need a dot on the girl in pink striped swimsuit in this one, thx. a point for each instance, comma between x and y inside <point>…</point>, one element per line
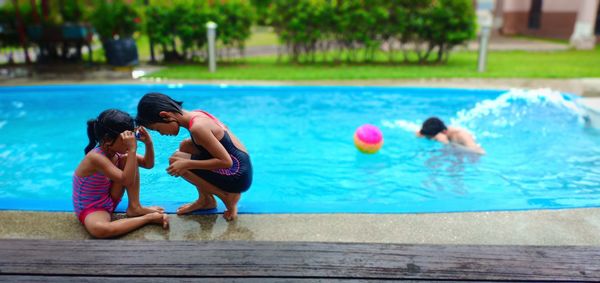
<point>107,171</point>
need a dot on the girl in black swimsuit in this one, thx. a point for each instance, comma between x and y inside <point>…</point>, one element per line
<point>213,160</point>
<point>235,179</point>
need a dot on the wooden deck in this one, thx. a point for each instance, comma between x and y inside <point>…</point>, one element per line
<point>158,261</point>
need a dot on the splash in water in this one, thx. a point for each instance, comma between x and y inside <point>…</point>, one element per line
<point>513,107</point>
<point>402,124</point>
<point>491,117</point>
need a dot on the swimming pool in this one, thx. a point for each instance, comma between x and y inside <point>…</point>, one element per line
<point>539,153</point>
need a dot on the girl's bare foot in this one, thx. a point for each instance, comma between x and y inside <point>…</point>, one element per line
<point>231,200</point>
<point>133,211</point>
<point>158,218</point>
<point>203,203</point>
<point>157,208</point>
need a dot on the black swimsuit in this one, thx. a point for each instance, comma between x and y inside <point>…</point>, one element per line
<point>235,179</point>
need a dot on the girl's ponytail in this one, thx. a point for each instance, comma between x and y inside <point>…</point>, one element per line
<point>107,127</point>
<point>91,125</point>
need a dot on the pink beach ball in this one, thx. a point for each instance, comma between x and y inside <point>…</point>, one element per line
<point>368,139</point>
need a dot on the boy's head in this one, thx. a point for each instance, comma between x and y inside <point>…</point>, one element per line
<point>432,126</point>
<point>107,128</point>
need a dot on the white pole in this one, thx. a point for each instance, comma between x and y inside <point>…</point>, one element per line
<point>583,34</point>
<point>211,34</point>
<point>484,19</point>
<point>483,46</point>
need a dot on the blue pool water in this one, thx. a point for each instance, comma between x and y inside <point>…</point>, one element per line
<point>539,152</point>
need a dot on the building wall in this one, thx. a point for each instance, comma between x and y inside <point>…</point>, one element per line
<point>547,6</point>
<point>516,5</point>
<point>561,5</point>
<point>557,20</point>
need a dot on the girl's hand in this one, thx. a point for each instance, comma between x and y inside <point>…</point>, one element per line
<point>143,135</point>
<point>129,140</point>
<point>177,168</point>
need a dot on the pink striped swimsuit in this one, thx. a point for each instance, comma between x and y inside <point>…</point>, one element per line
<point>92,193</point>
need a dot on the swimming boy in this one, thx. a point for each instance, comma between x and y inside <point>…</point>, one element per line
<point>434,128</point>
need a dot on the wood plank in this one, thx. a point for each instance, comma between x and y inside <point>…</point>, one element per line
<point>220,259</point>
<point>83,279</point>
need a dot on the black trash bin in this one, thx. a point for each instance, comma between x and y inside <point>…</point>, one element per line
<point>121,52</point>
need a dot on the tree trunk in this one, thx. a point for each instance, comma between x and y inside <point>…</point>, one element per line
<point>21,29</point>
<point>45,9</point>
<point>440,53</point>
<point>34,12</point>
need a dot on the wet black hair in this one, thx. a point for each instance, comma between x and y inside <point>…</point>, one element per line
<point>150,106</point>
<point>107,127</point>
<point>432,126</point>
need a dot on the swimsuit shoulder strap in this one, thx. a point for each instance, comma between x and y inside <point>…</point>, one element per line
<point>209,116</point>
<point>99,150</point>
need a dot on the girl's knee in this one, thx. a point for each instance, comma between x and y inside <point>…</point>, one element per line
<point>117,190</point>
<point>187,146</point>
<point>101,231</point>
<point>178,155</point>
<point>172,158</point>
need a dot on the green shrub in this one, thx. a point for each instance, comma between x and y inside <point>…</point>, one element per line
<point>114,18</point>
<point>179,27</point>
<point>261,8</point>
<point>71,11</point>
<point>299,25</point>
<point>360,25</point>
<point>450,23</point>
<point>234,19</point>
<point>420,27</point>
<point>8,25</point>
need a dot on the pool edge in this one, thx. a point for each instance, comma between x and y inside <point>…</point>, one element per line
<point>537,227</point>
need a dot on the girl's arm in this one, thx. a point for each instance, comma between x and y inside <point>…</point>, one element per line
<point>105,165</point>
<point>204,136</point>
<point>146,161</point>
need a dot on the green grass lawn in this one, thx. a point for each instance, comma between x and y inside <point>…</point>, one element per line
<point>143,46</point>
<point>463,64</point>
<point>259,37</point>
<point>262,36</point>
<point>542,39</point>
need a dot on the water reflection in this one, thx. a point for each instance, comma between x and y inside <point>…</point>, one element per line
<point>446,168</point>
<point>207,227</point>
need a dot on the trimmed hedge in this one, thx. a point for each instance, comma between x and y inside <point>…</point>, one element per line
<point>345,27</point>
<point>114,18</point>
<point>179,27</point>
